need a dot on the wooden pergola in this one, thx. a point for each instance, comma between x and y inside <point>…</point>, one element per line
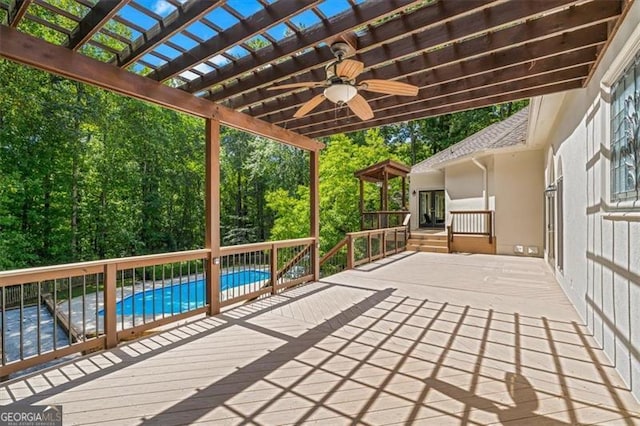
<point>380,174</point>
<point>218,57</point>
<point>462,54</point>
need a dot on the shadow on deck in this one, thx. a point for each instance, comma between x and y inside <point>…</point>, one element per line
<point>434,339</point>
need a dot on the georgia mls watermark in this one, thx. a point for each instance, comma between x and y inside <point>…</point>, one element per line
<point>31,415</point>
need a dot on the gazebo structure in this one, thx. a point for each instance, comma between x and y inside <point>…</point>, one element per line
<point>380,174</point>
<point>356,349</point>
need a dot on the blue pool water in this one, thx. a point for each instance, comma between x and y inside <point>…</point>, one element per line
<point>182,297</point>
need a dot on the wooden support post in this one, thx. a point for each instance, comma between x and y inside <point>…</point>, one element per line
<point>350,252</point>
<point>361,205</point>
<point>369,246</point>
<point>385,191</point>
<point>490,218</point>
<point>314,183</point>
<point>404,193</point>
<point>274,269</point>
<point>109,307</point>
<point>212,213</point>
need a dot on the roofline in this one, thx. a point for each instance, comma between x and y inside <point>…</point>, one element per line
<point>490,150</point>
<point>403,169</point>
<point>486,152</point>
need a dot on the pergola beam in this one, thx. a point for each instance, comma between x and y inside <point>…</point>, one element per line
<point>310,62</point>
<point>25,49</point>
<point>16,12</point>
<point>177,21</point>
<point>361,15</point>
<point>567,20</point>
<point>498,97</point>
<point>99,15</point>
<point>271,15</point>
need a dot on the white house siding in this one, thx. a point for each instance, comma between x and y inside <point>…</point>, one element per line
<point>601,271</point>
<point>464,186</point>
<point>422,182</point>
<point>518,189</point>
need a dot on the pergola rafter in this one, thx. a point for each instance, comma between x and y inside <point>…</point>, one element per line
<point>103,11</point>
<point>240,32</point>
<point>361,15</point>
<point>16,12</point>
<point>165,29</point>
<point>589,14</point>
<point>308,66</point>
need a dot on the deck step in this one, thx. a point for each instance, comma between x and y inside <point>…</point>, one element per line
<point>427,248</point>
<point>428,242</point>
<point>418,236</point>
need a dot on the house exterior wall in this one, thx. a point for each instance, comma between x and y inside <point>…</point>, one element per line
<point>422,182</point>
<point>518,190</point>
<point>464,187</point>
<point>600,272</point>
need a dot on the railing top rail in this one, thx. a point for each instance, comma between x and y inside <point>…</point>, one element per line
<point>43,273</point>
<point>387,212</point>
<point>375,231</point>
<point>242,248</point>
<point>471,212</point>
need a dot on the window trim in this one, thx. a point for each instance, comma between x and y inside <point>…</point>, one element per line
<point>631,197</point>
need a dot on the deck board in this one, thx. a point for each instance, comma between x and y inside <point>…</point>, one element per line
<point>424,339</point>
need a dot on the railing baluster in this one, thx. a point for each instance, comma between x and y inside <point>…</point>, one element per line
<point>273,270</point>
<point>144,299</point>
<point>38,327</point>
<point>21,321</point>
<point>69,323</point>
<point>84,308</point>
<point>55,316</point>
<point>122,299</point>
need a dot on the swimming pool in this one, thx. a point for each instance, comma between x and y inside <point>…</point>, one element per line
<point>182,297</point>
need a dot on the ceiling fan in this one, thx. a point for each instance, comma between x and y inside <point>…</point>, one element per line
<point>340,86</point>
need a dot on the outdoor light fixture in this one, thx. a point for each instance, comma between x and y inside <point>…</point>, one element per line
<point>414,193</point>
<point>340,93</point>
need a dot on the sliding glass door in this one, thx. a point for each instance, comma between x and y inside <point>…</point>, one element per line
<point>431,209</point>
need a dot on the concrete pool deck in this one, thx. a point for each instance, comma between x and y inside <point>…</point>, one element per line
<point>419,338</point>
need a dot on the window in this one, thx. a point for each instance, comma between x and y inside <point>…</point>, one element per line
<point>625,138</point>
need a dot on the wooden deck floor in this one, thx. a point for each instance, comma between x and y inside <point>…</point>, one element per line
<point>420,339</point>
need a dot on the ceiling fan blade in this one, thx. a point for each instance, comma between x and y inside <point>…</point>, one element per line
<point>389,87</point>
<point>310,105</point>
<point>349,69</point>
<point>297,85</point>
<point>360,107</point>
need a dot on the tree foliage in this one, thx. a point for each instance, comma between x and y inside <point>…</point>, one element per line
<point>86,174</point>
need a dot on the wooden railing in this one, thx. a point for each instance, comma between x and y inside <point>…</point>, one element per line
<point>382,219</point>
<point>472,222</point>
<point>51,312</point>
<point>358,248</point>
<point>274,266</point>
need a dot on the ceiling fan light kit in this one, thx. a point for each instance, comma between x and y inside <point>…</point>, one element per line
<point>340,93</point>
